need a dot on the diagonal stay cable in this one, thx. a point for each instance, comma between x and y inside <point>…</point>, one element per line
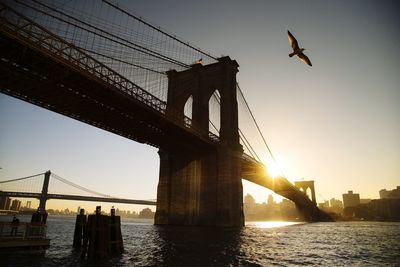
<point>258,128</point>
<point>245,142</point>
<point>241,135</point>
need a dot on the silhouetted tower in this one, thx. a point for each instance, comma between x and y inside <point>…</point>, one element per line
<point>45,188</point>
<point>202,187</point>
<point>304,185</point>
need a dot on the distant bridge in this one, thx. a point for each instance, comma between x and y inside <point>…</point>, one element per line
<point>44,194</point>
<point>79,198</point>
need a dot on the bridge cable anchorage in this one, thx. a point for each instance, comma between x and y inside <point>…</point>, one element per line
<point>79,187</point>
<point>159,30</point>
<point>22,178</point>
<point>258,128</point>
<point>139,49</point>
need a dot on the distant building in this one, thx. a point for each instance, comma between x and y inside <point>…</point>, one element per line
<point>324,205</point>
<point>387,209</point>
<point>336,203</point>
<point>16,205</point>
<point>350,199</point>
<point>28,204</point>
<point>269,210</point>
<point>249,204</point>
<point>270,200</point>
<point>288,210</point>
<point>8,204</point>
<point>384,194</point>
<point>336,206</point>
<point>365,200</point>
<point>146,213</point>
<point>5,203</point>
<point>249,199</point>
<point>394,194</point>
<point>287,205</point>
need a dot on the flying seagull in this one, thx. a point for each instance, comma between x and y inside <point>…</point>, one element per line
<point>200,61</point>
<point>297,50</point>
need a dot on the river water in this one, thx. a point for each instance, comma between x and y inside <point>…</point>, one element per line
<point>257,244</point>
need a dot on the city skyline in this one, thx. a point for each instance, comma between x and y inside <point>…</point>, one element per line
<point>91,206</point>
<point>29,204</point>
<point>351,207</point>
<point>336,123</point>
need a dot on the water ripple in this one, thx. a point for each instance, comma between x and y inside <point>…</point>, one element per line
<point>257,244</point>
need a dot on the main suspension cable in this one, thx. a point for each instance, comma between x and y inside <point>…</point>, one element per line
<point>22,178</point>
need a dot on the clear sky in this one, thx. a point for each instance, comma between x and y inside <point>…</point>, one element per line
<point>337,122</point>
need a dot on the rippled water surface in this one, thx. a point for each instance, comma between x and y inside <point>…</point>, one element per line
<point>257,244</point>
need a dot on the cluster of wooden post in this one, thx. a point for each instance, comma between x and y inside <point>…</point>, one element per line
<point>39,217</point>
<point>99,236</point>
<point>37,227</point>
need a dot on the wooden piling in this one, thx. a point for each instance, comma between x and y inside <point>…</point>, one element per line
<point>80,228</point>
<point>103,236</point>
<point>116,245</point>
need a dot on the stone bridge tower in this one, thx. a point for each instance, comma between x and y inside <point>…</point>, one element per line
<point>202,187</point>
<point>304,185</point>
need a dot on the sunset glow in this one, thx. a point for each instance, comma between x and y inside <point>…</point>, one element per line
<point>272,169</point>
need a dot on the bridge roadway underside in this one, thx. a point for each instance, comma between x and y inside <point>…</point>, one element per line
<point>38,78</point>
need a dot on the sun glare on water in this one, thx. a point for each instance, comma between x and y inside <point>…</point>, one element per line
<point>270,224</point>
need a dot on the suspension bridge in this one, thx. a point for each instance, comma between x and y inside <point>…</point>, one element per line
<point>97,62</point>
<point>48,185</point>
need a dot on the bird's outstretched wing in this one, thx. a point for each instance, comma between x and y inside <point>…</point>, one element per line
<point>292,41</point>
<point>304,58</point>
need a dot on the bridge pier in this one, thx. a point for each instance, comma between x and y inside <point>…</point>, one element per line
<point>201,189</point>
<point>202,186</point>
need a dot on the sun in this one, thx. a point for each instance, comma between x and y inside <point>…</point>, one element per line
<point>272,169</point>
